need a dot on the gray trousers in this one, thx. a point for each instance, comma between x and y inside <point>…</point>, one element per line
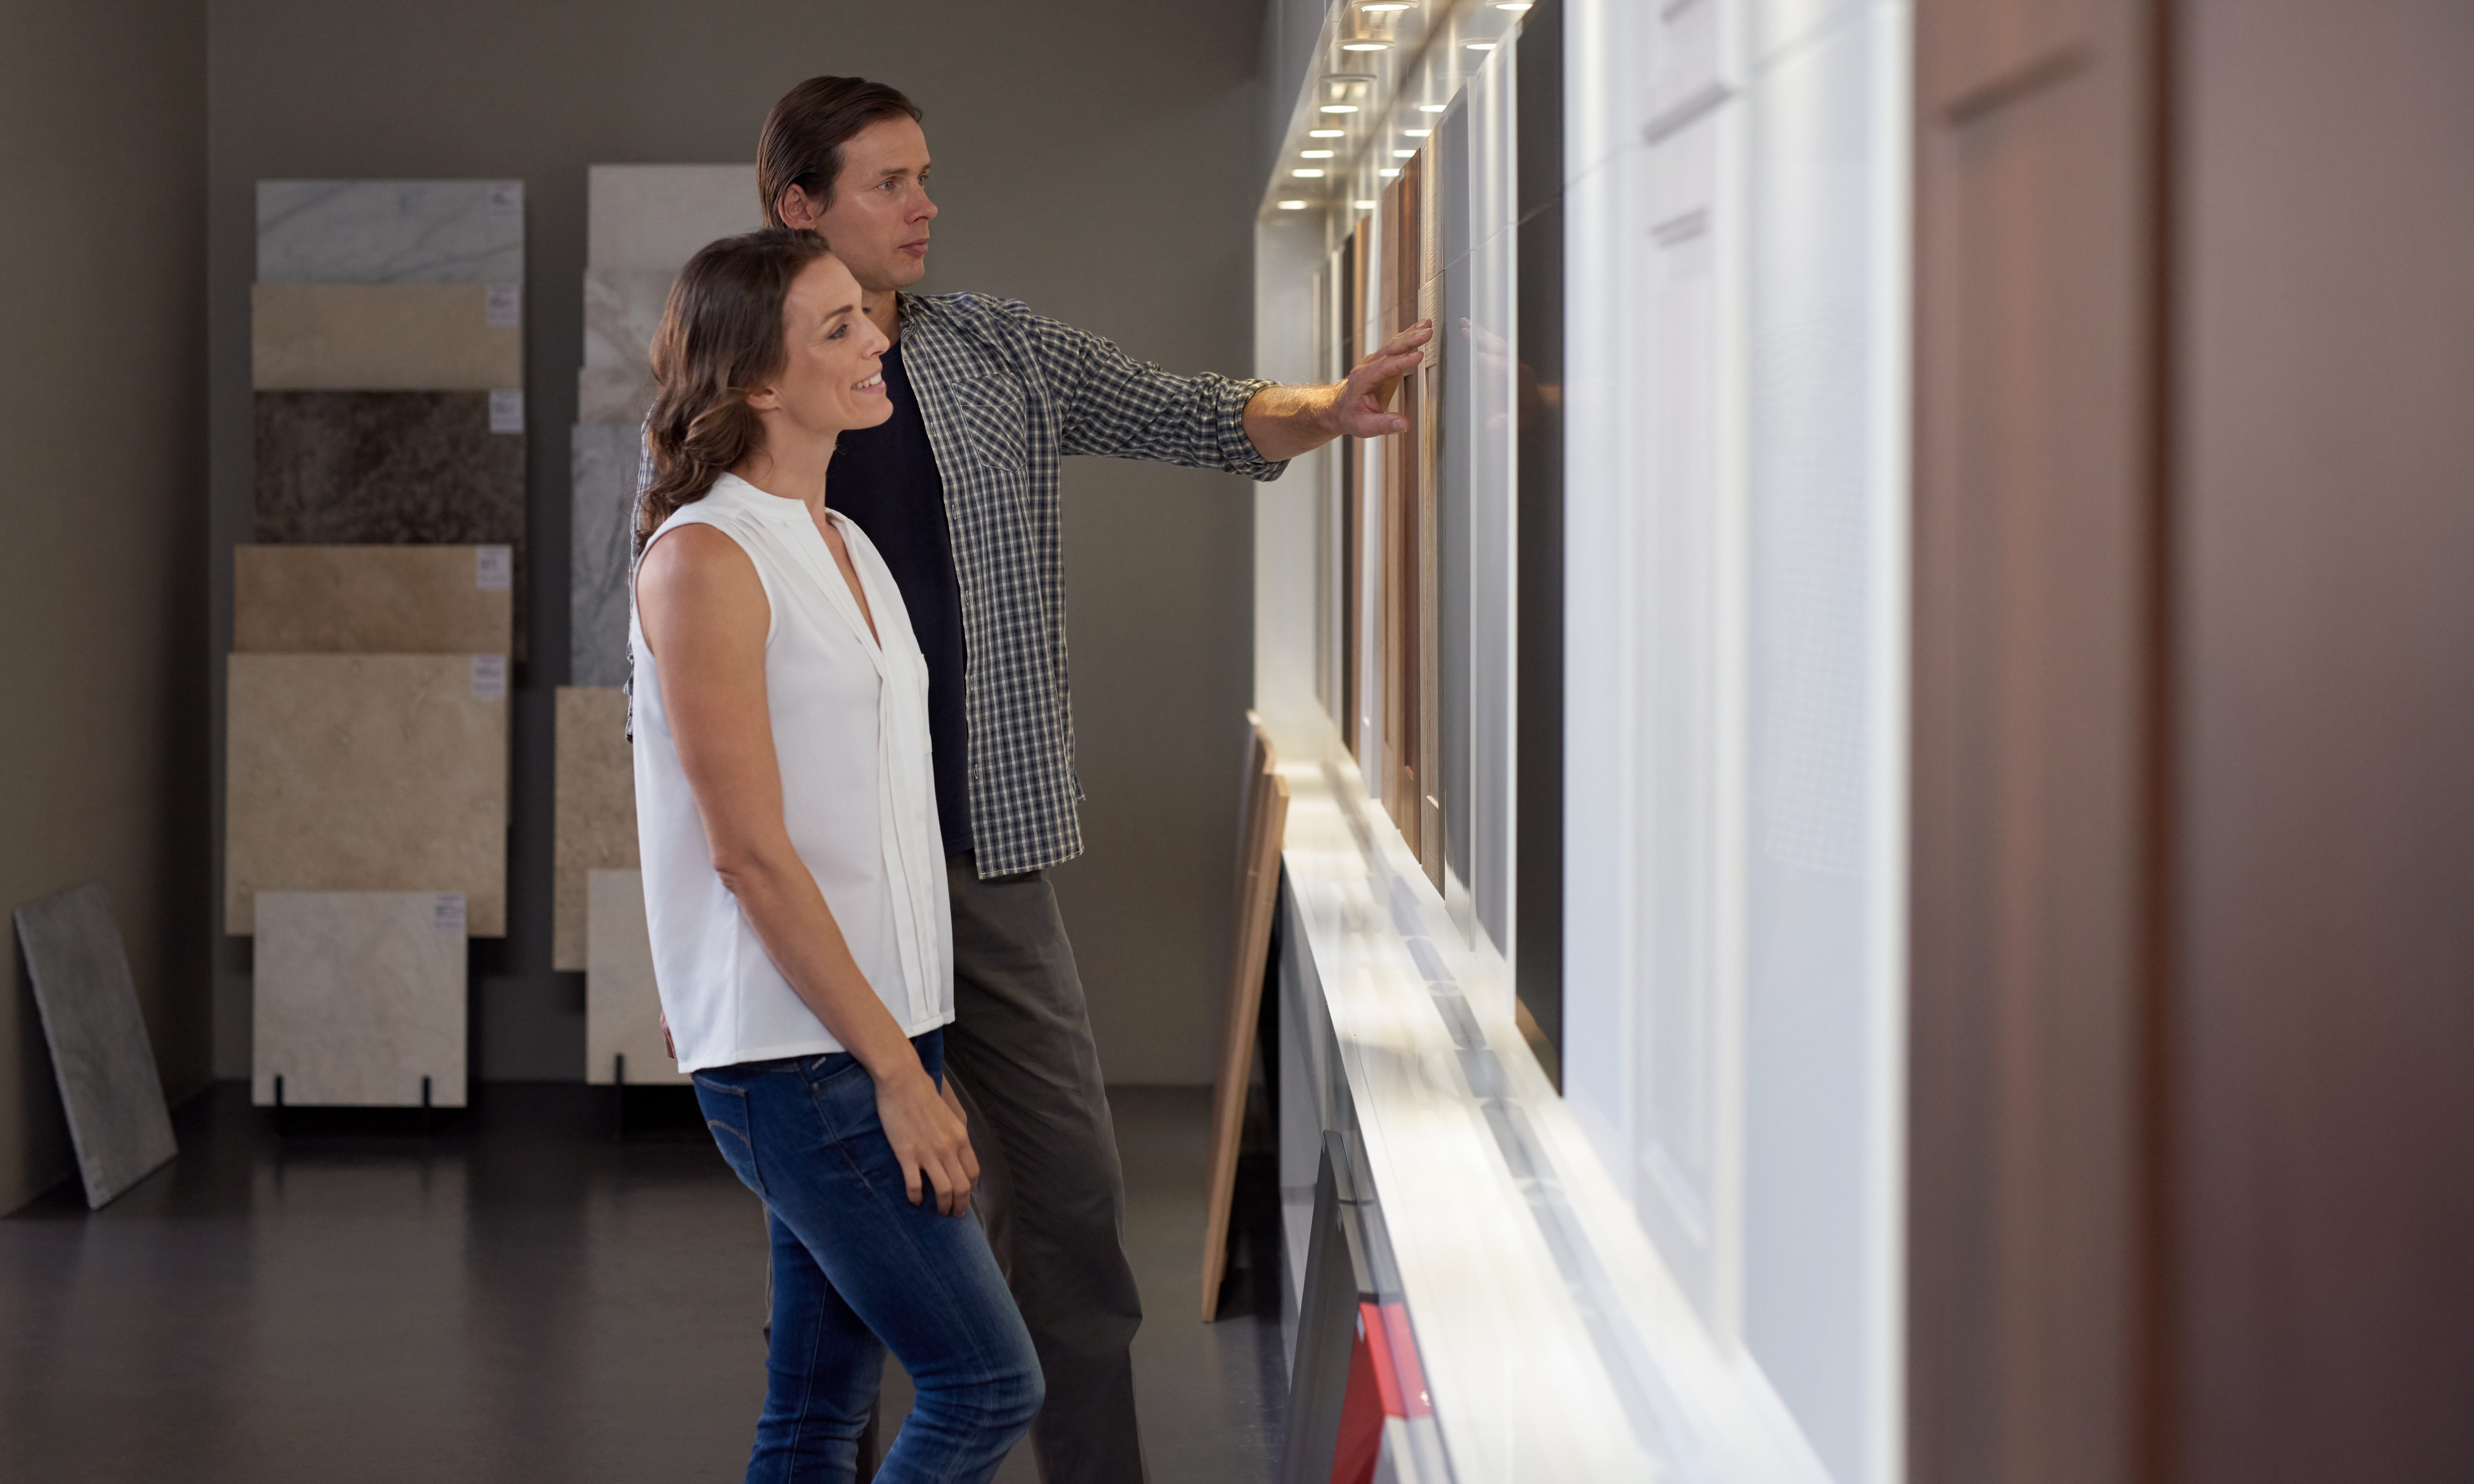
<point>1051,1194</point>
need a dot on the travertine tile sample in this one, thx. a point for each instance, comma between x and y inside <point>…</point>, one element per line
<point>367,772</point>
<point>372,600</point>
<point>613,395</point>
<point>385,337</point>
<point>595,809</point>
<point>622,309</point>
<point>389,231</point>
<point>356,996</point>
<point>109,1083</point>
<point>603,461</point>
<point>657,216</point>
<point>623,1009</point>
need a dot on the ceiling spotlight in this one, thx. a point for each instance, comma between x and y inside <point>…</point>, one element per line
<point>1365,46</point>
<point>1387,174</point>
<point>1365,206</point>
<point>1340,108</point>
<point>1385,5</point>
<point>1293,206</point>
<point>1326,134</point>
<point>1307,175</point>
<point>1404,154</point>
<point>1417,133</point>
<point>1432,107</point>
<point>1314,153</point>
<point>1481,46</point>
<point>1512,5</point>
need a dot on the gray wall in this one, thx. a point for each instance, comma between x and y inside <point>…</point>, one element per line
<point>101,743</point>
<point>1093,159</point>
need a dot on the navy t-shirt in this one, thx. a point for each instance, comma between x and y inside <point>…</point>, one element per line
<point>885,478</point>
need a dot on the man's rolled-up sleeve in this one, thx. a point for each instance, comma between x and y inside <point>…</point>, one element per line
<point>1115,406</point>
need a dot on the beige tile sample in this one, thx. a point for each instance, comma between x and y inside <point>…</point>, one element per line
<point>372,600</point>
<point>356,997</point>
<point>595,810</point>
<point>657,216</point>
<point>380,337</point>
<point>623,1009</point>
<point>367,772</point>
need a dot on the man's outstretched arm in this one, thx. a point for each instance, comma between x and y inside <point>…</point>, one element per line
<point>1287,421</point>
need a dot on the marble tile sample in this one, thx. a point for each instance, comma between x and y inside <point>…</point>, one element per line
<point>385,337</point>
<point>372,600</point>
<point>356,996</point>
<point>656,216</point>
<point>622,310</point>
<point>366,772</point>
<point>603,462</point>
<point>613,395</point>
<point>595,809</point>
<point>108,1085</point>
<point>623,1009</point>
<point>389,231</point>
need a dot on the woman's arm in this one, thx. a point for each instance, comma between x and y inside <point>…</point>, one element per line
<point>705,616</point>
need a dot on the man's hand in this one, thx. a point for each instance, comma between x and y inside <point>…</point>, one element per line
<point>1287,421</point>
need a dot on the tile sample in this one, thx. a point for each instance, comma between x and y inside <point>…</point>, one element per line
<point>622,309</point>
<point>356,996</point>
<point>367,772</point>
<point>389,231</point>
<point>386,337</point>
<point>108,1085</point>
<point>656,216</point>
<point>372,600</point>
<point>623,1009</point>
<point>603,462</point>
<point>613,395</point>
<point>595,809</point>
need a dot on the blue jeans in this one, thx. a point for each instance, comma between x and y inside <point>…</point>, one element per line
<point>856,1268</point>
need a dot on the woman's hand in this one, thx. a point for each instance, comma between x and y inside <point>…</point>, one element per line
<point>928,1140</point>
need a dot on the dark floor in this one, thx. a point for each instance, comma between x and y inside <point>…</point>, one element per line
<point>514,1297</point>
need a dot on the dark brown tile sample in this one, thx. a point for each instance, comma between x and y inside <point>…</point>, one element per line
<point>389,469</point>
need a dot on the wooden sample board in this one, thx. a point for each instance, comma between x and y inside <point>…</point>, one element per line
<point>1263,818</point>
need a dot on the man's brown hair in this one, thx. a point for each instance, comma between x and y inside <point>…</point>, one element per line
<point>802,137</point>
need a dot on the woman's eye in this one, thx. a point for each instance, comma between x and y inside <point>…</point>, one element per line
<point>840,330</point>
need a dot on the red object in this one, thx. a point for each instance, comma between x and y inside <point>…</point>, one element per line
<point>1361,1410</point>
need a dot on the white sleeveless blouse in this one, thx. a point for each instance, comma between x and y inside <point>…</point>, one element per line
<point>850,736</point>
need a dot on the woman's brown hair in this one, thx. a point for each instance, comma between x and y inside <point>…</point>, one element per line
<point>720,339</point>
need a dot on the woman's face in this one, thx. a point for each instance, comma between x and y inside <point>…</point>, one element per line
<point>833,377</point>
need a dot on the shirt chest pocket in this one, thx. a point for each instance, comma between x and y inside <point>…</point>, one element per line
<point>996,422</point>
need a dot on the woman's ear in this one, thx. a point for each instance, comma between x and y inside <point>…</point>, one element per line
<point>765,398</point>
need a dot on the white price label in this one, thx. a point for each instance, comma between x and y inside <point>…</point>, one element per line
<point>507,411</point>
<point>506,200</point>
<point>494,568</point>
<point>447,913</point>
<point>488,677</point>
<point>506,305</point>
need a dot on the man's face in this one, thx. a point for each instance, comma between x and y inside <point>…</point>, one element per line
<point>878,222</point>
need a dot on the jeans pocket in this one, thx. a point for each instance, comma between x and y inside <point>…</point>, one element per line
<point>733,1129</point>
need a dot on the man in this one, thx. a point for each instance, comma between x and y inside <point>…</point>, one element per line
<point>958,492</point>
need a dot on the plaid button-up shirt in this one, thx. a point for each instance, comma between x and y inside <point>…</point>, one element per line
<point>1005,395</point>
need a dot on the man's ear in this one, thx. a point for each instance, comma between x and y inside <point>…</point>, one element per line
<point>797,212</point>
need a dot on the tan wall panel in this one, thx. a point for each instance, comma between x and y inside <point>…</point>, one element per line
<point>380,773</point>
<point>391,337</point>
<point>596,812</point>
<point>370,601</point>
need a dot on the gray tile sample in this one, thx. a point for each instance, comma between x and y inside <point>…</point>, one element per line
<point>603,461</point>
<point>356,996</point>
<point>613,395</point>
<point>656,216</point>
<point>622,310</point>
<point>109,1083</point>
<point>623,1008</point>
<point>389,469</point>
<point>382,337</point>
<point>389,231</point>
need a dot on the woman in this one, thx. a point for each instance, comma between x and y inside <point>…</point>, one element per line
<point>794,875</point>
